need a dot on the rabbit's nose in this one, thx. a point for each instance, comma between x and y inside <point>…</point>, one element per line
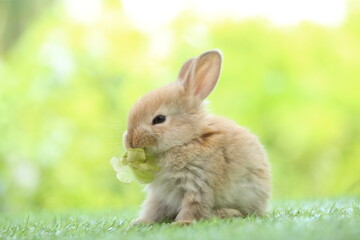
<point>135,143</point>
<point>132,139</point>
<point>138,138</point>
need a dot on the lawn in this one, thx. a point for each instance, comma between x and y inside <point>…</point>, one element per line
<point>325,219</point>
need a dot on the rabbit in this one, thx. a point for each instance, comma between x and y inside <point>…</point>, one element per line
<point>209,166</point>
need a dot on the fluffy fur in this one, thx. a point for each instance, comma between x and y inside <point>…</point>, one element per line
<point>210,166</point>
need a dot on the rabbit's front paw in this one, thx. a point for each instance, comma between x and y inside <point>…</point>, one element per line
<point>142,221</point>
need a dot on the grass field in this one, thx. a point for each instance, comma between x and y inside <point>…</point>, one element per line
<point>326,219</point>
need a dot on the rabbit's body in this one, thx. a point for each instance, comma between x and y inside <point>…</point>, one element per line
<point>221,168</point>
<point>209,166</point>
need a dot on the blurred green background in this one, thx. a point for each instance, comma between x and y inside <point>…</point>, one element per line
<point>69,74</point>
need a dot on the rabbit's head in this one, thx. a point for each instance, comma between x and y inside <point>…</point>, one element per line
<point>173,114</point>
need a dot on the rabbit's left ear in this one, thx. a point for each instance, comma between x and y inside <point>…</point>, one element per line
<point>200,75</point>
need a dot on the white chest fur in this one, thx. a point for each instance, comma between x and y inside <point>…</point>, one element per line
<point>166,189</point>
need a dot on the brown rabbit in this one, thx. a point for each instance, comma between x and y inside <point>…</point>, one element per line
<point>209,166</point>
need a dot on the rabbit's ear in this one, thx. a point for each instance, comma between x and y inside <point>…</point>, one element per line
<point>200,75</point>
<point>186,70</point>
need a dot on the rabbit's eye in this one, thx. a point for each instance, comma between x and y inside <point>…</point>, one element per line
<point>158,119</point>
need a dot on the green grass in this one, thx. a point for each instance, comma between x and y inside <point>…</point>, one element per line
<point>330,219</point>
